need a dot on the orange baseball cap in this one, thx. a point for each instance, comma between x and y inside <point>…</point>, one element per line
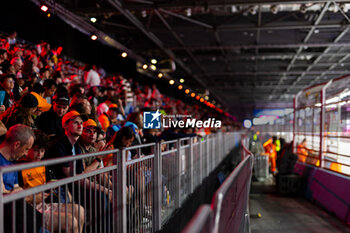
<point>43,105</point>
<point>113,106</point>
<point>89,123</point>
<point>73,114</point>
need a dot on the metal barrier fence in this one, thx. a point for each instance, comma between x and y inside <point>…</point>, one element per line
<point>229,210</point>
<point>136,195</point>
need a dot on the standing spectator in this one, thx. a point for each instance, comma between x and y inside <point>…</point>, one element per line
<point>12,38</point>
<point>50,122</point>
<point>92,78</point>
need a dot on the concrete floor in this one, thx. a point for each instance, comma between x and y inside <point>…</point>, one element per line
<point>288,214</point>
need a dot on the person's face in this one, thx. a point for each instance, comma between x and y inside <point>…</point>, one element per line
<point>127,142</point>
<point>50,91</point>
<point>32,110</point>
<point>100,142</point>
<point>21,82</point>
<point>18,65</point>
<point>37,112</point>
<point>113,113</point>
<point>4,56</point>
<point>74,126</point>
<point>36,154</point>
<point>89,135</point>
<point>20,150</point>
<point>8,84</point>
<point>46,74</point>
<point>60,109</point>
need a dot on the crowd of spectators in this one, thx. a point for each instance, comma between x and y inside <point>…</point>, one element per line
<point>74,109</point>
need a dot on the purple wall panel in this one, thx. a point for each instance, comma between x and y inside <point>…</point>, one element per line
<point>329,189</point>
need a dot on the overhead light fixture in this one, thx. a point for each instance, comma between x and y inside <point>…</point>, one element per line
<point>182,80</point>
<point>171,82</point>
<point>153,67</point>
<point>206,97</point>
<point>274,9</point>
<point>48,15</point>
<point>187,91</point>
<point>201,100</point>
<point>188,12</point>
<point>144,14</point>
<point>93,37</point>
<point>93,19</point>
<point>180,87</point>
<point>252,9</point>
<point>44,8</point>
<point>160,75</point>
<point>343,7</point>
<point>145,66</point>
<point>316,31</point>
<point>197,97</point>
<point>303,8</point>
<point>154,61</point>
<point>193,94</point>
<point>124,54</point>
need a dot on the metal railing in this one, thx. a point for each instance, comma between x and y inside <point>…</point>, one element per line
<point>138,195</point>
<point>229,210</point>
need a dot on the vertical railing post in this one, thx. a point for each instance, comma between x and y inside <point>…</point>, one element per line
<point>322,121</point>
<point>1,204</point>
<point>213,154</point>
<point>208,155</point>
<point>119,207</point>
<point>191,165</point>
<point>200,152</point>
<point>178,175</point>
<point>157,189</point>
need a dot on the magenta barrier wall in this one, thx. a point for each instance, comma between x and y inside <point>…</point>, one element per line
<point>331,190</point>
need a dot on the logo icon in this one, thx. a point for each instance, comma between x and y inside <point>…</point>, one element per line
<point>151,120</point>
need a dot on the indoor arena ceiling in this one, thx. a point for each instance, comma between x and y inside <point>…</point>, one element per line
<point>248,54</point>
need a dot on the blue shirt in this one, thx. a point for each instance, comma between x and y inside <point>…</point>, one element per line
<point>10,178</point>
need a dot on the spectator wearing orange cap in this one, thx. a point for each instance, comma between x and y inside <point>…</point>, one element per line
<point>112,116</point>
<point>86,144</point>
<point>72,123</point>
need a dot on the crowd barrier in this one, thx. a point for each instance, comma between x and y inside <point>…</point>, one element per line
<point>138,195</point>
<point>229,211</point>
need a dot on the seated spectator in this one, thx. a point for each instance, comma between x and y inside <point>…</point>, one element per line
<point>86,144</point>
<point>21,112</point>
<point>83,101</point>
<point>112,116</point>
<point>19,140</point>
<point>100,140</point>
<point>7,82</point>
<point>50,88</point>
<point>50,122</point>
<point>40,175</point>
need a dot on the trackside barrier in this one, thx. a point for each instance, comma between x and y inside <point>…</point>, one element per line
<point>229,209</point>
<point>137,195</point>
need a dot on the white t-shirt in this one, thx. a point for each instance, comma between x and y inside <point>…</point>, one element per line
<point>92,78</point>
